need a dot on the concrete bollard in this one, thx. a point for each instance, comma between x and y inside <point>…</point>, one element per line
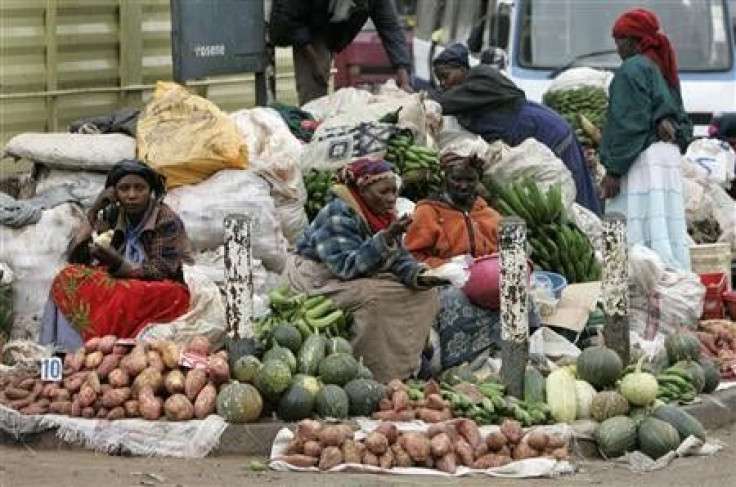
<point>239,275</point>
<point>615,286</point>
<point>514,304</point>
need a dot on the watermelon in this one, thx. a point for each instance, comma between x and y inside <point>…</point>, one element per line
<point>273,378</point>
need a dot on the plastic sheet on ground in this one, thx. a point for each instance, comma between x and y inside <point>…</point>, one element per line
<point>529,468</point>
<point>206,315</point>
<point>547,342</point>
<point>691,446</point>
<point>184,439</point>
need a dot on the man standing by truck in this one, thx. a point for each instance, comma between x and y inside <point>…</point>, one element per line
<point>316,29</point>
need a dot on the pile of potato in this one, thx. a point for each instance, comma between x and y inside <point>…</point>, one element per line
<point>108,380</point>
<point>444,446</point>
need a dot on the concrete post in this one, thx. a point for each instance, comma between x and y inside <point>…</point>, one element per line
<point>615,286</point>
<point>239,275</point>
<point>514,304</point>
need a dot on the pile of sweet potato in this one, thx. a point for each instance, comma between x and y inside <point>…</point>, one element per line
<point>398,405</point>
<point>444,446</point>
<point>718,343</point>
<point>108,380</point>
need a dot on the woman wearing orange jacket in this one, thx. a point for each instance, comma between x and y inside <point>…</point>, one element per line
<point>458,222</point>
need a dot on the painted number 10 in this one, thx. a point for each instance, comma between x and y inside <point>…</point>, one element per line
<point>51,369</point>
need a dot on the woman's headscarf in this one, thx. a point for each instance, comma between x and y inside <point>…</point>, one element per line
<point>642,24</point>
<point>360,174</point>
<point>454,56</point>
<point>451,160</point>
<point>125,167</point>
<point>363,172</point>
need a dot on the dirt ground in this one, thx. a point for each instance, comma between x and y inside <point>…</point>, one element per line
<point>21,466</point>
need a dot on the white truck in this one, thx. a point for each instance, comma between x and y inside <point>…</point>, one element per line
<point>544,37</point>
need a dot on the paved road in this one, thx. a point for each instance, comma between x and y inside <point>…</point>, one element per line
<point>21,466</point>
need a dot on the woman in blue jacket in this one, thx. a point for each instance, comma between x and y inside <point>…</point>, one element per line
<point>489,104</point>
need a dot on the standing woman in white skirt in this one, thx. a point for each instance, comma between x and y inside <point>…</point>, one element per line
<point>646,127</point>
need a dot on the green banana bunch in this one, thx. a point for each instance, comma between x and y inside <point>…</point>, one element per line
<point>494,406</point>
<point>676,385</point>
<point>418,166</point>
<point>590,101</point>
<point>313,315</point>
<point>317,184</point>
<point>556,244</point>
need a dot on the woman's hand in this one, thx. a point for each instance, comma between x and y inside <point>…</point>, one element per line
<point>398,228</point>
<point>666,130</point>
<point>106,255</point>
<point>104,199</point>
<point>611,186</point>
<point>431,281</point>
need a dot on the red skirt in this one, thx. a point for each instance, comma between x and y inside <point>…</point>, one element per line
<point>97,304</point>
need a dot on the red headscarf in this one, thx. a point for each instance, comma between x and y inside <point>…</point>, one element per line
<point>359,174</point>
<point>643,25</point>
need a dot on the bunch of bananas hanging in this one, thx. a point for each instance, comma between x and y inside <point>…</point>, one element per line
<point>557,245</point>
<point>418,166</point>
<point>318,187</point>
<point>583,108</point>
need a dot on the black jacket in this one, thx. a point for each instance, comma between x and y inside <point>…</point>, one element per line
<point>297,22</point>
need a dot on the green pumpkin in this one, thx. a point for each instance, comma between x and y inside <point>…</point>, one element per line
<point>657,437</point>
<point>608,404</point>
<point>296,403</point>
<point>712,375</point>
<point>311,354</point>
<point>338,369</point>
<point>288,336</point>
<point>682,421</point>
<point>239,403</point>
<point>599,366</point>
<point>364,396</point>
<point>282,354</point>
<point>332,402</point>
<point>682,345</point>
<point>246,368</point>
<point>616,436</point>
<point>309,382</point>
<point>339,345</point>
<point>273,378</point>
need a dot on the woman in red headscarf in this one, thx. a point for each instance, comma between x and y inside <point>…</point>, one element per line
<point>353,253</point>
<point>645,124</point>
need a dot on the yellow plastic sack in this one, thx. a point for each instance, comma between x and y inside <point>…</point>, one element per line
<point>187,138</point>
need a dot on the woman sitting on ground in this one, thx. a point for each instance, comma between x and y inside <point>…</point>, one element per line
<point>135,281</point>
<point>454,223</point>
<point>352,252</point>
